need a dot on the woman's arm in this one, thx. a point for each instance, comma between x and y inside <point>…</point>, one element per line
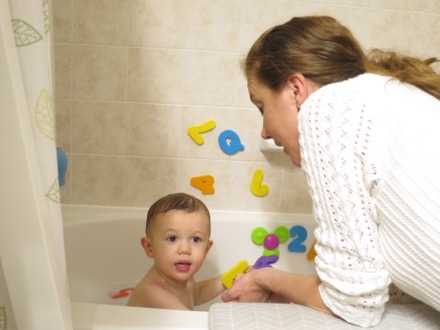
<point>261,284</point>
<point>341,152</point>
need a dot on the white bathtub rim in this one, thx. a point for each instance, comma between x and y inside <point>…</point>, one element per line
<point>78,213</point>
<point>101,316</point>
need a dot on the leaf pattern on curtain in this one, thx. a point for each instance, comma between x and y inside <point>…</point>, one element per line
<point>46,16</point>
<point>54,192</point>
<point>24,33</point>
<point>3,320</point>
<point>44,115</point>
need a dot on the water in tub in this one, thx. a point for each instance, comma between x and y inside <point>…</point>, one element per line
<point>104,255</point>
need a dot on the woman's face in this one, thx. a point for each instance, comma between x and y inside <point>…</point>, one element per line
<point>280,116</point>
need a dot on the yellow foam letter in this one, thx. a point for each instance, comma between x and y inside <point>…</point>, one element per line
<point>195,131</point>
<point>229,277</point>
<point>257,188</point>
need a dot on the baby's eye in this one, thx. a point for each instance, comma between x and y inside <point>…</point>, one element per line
<point>196,239</point>
<point>172,238</point>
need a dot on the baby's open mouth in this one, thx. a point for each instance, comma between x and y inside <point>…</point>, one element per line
<point>183,266</point>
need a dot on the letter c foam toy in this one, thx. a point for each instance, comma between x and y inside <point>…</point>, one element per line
<point>229,277</point>
<point>195,131</point>
<point>257,187</point>
<point>230,142</point>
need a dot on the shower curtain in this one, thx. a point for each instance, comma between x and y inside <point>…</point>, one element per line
<point>31,28</point>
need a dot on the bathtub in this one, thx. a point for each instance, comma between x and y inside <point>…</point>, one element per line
<point>104,256</point>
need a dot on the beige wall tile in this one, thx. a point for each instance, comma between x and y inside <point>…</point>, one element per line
<point>185,77</point>
<point>155,75</point>
<point>62,115</point>
<point>420,41</point>
<point>62,20</point>
<point>153,130</point>
<point>295,195</point>
<point>376,28</point>
<point>148,179</point>
<point>99,73</point>
<point>426,6</point>
<point>101,22</point>
<point>98,127</point>
<point>209,78</point>
<point>96,179</point>
<point>390,4</point>
<point>187,24</point>
<point>63,71</point>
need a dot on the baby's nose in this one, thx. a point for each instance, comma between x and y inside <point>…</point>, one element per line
<point>184,247</point>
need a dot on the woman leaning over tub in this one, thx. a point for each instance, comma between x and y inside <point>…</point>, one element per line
<point>365,129</point>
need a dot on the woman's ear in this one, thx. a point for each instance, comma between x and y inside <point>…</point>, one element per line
<point>301,87</point>
<point>147,246</point>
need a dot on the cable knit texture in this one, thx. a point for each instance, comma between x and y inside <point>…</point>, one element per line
<point>370,147</point>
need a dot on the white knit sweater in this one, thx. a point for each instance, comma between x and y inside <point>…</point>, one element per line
<point>370,147</point>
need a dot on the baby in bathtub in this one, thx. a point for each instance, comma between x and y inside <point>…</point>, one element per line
<point>178,229</point>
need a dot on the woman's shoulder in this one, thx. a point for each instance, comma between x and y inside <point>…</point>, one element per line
<point>365,82</point>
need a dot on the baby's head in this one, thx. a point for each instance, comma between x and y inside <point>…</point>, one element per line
<point>177,237</point>
<point>177,201</point>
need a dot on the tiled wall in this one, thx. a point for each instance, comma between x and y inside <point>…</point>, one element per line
<point>133,75</point>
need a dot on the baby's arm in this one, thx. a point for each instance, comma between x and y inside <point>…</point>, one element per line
<point>155,297</point>
<point>207,290</point>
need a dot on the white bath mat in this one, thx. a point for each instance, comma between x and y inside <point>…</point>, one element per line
<point>258,316</point>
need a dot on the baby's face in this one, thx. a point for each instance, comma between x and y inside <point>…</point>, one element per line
<point>179,242</point>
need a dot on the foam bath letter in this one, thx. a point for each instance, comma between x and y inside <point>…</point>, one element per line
<point>257,188</point>
<point>312,253</point>
<point>195,131</point>
<point>266,261</point>
<point>230,142</point>
<point>205,183</point>
<point>229,277</point>
<point>121,293</point>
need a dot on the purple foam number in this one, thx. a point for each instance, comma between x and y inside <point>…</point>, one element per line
<point>266,261</point>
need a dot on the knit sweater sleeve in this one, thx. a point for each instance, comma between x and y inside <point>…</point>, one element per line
<point>338,158</point>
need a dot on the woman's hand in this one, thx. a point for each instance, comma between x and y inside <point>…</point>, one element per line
<point>246,288</point>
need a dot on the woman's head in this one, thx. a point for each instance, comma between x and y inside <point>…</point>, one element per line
<point>318,47</point>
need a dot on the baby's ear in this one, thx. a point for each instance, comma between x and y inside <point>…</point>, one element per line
<point>210,242</point>
<point>147,246</point>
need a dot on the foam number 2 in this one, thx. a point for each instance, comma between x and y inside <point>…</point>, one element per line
<point>299,235</point>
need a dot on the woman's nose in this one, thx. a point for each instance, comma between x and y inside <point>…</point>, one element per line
<point>264,134</point>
